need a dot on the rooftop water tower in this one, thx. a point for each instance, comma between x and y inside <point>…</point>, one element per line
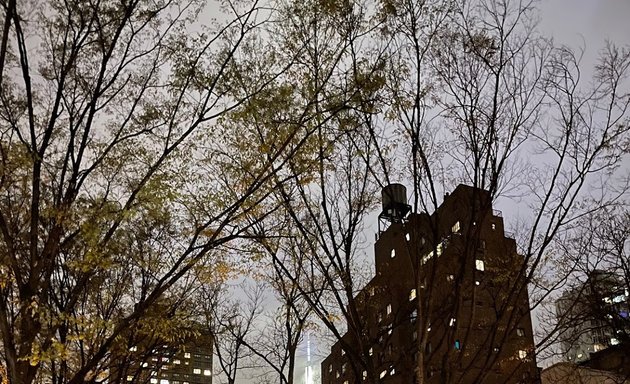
<point>395,206</point>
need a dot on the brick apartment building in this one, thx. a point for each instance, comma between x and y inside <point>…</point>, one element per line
<point>448,284</point>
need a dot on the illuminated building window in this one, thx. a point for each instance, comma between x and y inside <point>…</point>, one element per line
<point>197,371</point>
<point>330,368</point>
<point>392,370</point>
<point>177,361</point>
<point>129,378</point>
<point>614,341</point>
<point>520,332</point>
<point>479,264</point>
<point>343,352</point>
<point>458,345</point>
<point>408,236</point>
<point>371,351</point>
<point>164,381</point>
<point>494,226</point>
<point>389,309</point>
<point>337,374</point>
<point>477,282</point>
<point>393,253</point>
<point>364,375</point>
<point>383,373</point>
<point>450,278</point>
<point>187,355</point>
<point>412,294</point>
<point>343,367</point>
<point>206,372</point>
<point>522,354</point>
<point>452,321</point>
<point>154,380</point>
<point>456,228</point>
<point>414,315</point>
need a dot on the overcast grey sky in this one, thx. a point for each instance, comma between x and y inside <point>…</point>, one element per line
<point>586,23</point>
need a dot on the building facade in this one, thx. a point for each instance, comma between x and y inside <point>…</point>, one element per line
<point>164,363</point>
<point>593,316</point>
<point>448,295</point>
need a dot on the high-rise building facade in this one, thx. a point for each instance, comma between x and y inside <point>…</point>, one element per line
<point>449,295</point>
<point>593,316</point>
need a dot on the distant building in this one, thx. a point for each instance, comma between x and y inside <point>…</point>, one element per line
<point>468,280</point>
<point>593,316</point>
<point>190,362</point>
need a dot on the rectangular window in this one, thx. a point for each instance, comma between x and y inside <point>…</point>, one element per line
<point>371,351</point>
<point>412,294</point>
<point>494,226</point>
<point>393,253</point>
<point>522,354</point>
<point>452,322</point>
<point>450,278</point>
<point>197,371</point>
<point>458,345</point>
<point>343,352</point>
<point>408,236</point>
<point>343,367</point>
<point>186,355</point>
<point>206,372</point>
<point>364,375</point>
<point>456,228</point>
<point>389,309</point>
<point>383,374</point>
<point>479,264</point>
<point>520,332</point>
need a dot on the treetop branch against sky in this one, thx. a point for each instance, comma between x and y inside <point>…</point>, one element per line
<point>153,152</point>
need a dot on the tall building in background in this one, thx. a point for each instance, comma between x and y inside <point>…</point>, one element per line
<point>163,362</point>
<point>593,316</point>
<point>460,269</point>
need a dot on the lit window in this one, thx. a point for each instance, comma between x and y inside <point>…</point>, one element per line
<point>393,254</point>
<point>415,335</point>
<point>392,371</point>
<point>429,328</point>
<point>129,378</point>
<point>414,315</point>
<point>337,374</point>
<point>372,291</point>
<point>330,368</point>
<point>206,372</point>
<point>177,361</point>
<point>520,332</point>
<point>187,355</point>
<point>477,282</point>
<point>343,367</point>
<point>494,226</point>
<point>522,354</point>
<point>145,364</point>
<point>164,381</point>
<point>154,380</point>
<point>452,321</point>
<point>614,341</point>
<point>412,294</point>
<point>364,375</point>
<point>343,352</point>
<point>408,236</point>
<point>458,345</point>
<point>371,351</point>
<point>495,349</point>
<point>133,349</point>
<point>384,373</point>
<point>389,309</point>
<point>380,317</point>
<point>479,265</point>
<point>345,382</point>
<point>456,227</point>
<point>197,371</point>
<point>422,241</point>
<point>450,278</point>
